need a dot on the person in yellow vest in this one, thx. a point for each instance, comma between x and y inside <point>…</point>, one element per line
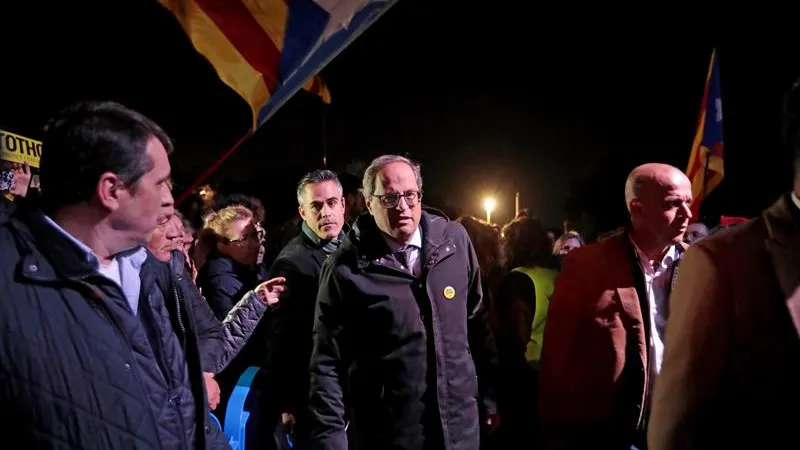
<point>522,303</point>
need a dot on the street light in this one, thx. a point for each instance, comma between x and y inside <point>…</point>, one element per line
<point>488,204</point>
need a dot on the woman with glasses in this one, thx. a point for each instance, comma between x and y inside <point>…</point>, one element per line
<point>232,240</point>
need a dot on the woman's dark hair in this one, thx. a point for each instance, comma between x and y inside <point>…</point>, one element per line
<point>526,244</point>
<point>235,199</point>
<point>486,241</point>
<point>89,139</point>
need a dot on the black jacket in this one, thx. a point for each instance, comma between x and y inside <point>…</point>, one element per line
<point>224,282</point>
<point>300,263</point>
<point>403,346</point>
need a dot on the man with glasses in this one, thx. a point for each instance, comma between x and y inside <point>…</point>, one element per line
<point>399,320</point>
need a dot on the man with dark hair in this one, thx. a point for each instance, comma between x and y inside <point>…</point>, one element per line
<point>98,349</point>
<point>353,197</point>
<point>732,362</point>
<point>322,207</point>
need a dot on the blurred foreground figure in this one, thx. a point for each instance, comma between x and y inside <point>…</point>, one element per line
<point>731,375</point>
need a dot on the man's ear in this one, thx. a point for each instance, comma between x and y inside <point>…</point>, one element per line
<point>109,191</point>
<point>302,212</point>
<point>368,204</point>
<point>636,207</point>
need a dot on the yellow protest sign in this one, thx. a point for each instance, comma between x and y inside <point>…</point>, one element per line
<point>19,149</point>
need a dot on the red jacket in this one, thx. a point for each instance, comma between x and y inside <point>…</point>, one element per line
<point>593,369</point>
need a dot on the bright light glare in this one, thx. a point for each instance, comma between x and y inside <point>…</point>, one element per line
<point>488,204</point>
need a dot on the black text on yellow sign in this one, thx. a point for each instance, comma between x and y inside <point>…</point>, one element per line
<point>19,149</point>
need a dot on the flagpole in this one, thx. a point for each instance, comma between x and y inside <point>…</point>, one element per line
<point>212,168</point>
<point>705,181</point>
<point>324,136</point>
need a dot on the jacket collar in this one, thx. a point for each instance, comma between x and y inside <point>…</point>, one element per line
<point>64,258</point>
<point>370,246</point>
<point>782,221</point>
<point>313,248</point>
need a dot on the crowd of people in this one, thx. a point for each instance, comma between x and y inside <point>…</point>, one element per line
<point>377,322</point>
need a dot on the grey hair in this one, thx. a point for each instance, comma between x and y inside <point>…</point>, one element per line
<point>317,177</point>
<point>379,163</point>
<point>187,224</point>
<point>633,186</point>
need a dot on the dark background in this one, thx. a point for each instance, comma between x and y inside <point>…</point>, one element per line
<point>492,98</point>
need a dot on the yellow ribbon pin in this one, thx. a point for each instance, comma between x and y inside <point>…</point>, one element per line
<point>449,292</point>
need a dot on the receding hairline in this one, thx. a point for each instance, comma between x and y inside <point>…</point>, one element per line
<point>377,166</point>
<point>647,175</point>
<point>311,185</point>
<point>314,178</point>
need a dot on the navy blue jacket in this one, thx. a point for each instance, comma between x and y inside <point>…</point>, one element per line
<point>77,369</point>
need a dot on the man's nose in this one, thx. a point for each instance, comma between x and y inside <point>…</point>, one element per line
<point>402,204</point>
<point>168,211</point>
<point>166,198</point>
<point>687,211</point>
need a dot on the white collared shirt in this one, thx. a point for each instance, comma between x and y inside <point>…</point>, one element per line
<point>414,259</point>
<point>657,279</point>
<point>123,270</point>
<point>795,200</point>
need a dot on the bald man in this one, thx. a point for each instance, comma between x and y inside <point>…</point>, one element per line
<point>603,342</point>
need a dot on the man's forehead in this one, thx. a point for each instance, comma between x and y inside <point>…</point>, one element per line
<point>323,191</point>
<point>158,158</point>
<point>667,187</point>
<point>678,191</point>
<point>397,175</point>
<point>322,198</point>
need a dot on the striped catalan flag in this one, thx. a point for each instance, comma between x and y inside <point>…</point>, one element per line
<point>266,50</point>
<point>706,161</point>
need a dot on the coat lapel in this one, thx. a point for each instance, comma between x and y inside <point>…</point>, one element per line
<point>783,245</point>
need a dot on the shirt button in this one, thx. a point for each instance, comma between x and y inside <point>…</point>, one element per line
<point>33,268</point>
<point>422,317</point>
<point>127,366</point>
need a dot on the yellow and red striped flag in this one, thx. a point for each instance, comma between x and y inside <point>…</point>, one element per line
<point>255,46</point>
<point>706,168</point>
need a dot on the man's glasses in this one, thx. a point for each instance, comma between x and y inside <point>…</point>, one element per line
<point>389,201</point>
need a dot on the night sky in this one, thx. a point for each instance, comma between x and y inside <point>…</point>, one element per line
<point>492,99</point>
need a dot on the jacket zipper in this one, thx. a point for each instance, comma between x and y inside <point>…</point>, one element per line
<point>178,309</point>
<point>174,399</point>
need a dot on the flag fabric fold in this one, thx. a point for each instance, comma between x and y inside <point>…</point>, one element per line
<point>266,50</point>
<point>706,169</point>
